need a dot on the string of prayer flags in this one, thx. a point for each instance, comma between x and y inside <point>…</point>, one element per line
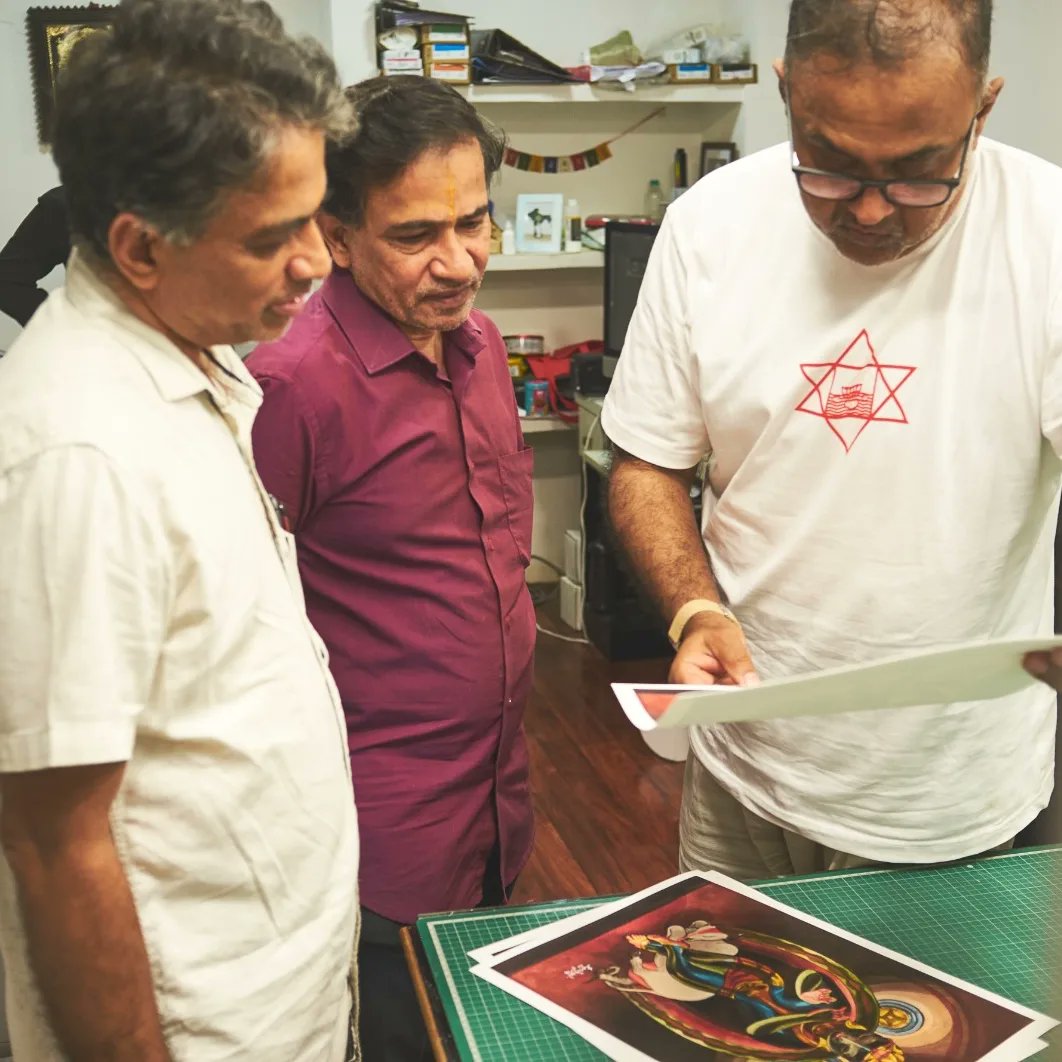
<point>581,160</point>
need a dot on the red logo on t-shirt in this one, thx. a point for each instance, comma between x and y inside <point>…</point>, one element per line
<point>854,391</point>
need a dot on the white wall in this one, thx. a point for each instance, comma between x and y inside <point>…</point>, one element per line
<point>27,171</point>
<point>1026,35</point>
<point>1025,52</point>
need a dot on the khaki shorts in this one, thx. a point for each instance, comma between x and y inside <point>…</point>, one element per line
<point>718,833</point>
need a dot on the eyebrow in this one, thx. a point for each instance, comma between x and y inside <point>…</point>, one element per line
<point>281,228</point>
<point>921,155</point>
<point>416,224</point>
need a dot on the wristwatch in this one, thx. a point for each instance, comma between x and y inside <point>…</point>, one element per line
<point>688,611</point>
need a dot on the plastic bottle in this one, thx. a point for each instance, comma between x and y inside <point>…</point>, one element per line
<point>573,227</point>
<point>654,201</point>
<point>508,239</point>
<point>680,180</point>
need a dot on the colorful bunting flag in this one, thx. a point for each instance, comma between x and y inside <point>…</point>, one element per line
<point>581,160</point>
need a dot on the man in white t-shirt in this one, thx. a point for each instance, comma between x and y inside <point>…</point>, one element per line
<point>180,858</point>
<point>868,351</point>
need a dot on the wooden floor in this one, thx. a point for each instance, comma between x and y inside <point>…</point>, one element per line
<point>606,806</point>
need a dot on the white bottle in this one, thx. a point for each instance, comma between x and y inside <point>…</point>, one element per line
<point>508,239</point>
<point>573,227</point>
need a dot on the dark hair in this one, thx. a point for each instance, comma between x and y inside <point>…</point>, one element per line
<point>399,118</point>
<point>178,103</point>
<point>888,32</point>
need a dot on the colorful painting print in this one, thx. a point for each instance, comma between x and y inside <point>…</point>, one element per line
<point>702,969</point>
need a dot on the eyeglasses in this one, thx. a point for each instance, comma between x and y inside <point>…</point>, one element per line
<point>840,188</point>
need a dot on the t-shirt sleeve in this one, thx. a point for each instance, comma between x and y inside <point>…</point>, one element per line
<point>1051,398</point>
<point>285,451</point>
<point>84,598</point>
<point>653,408</point>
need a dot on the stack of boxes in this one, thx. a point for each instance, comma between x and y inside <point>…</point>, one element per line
<point>688,65</point>
<point>401,61</point>
<point>571,584</point>
<point>442,52</point>
<point>446,53</point>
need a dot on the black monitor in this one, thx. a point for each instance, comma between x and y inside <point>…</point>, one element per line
<point>627,247</point>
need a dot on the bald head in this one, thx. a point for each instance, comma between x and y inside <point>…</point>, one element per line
<point>889,33</point>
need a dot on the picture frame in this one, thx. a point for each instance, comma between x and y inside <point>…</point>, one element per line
<point>717,153</point>
<point>539,223</point>
<point>50,34</point>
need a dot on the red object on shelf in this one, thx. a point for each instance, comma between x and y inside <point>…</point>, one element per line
<point>552,367</point>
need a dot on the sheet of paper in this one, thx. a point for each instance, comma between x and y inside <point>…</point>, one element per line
<point>701,968</point>
<point>979,670</point>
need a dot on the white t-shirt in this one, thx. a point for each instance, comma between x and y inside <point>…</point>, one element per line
<point>151,612</point>
<point>884,476</point>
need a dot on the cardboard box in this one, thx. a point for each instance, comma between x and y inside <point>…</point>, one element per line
<point>573,555</point>
<point>454,73</point>
<point>735,73</point>
<point>571,603</point>
<point>446,53</point>
<point>690,73</point>
<point>438,34</point>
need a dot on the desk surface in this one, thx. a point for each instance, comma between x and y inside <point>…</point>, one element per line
<point>996,922</point>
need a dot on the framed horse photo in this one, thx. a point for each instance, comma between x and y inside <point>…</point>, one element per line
<point>539,223</point>
<point>51,33</point>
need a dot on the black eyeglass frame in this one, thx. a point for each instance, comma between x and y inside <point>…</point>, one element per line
<point>883,186</point>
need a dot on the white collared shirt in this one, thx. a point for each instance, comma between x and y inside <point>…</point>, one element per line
<point>151,613</point>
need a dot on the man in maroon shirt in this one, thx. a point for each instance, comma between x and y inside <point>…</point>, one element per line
<point>389,434</point>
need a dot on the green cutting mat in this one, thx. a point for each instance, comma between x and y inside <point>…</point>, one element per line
<point>995,922</point>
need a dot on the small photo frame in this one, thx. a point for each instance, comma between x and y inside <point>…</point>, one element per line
<point>539,223</point>
<point>714,155</point>
<point>50,34</point>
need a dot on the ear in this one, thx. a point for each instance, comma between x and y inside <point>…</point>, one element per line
<point>134,248</point>
<point>988,101</point>
<point>778,66</point>
<point>336,235</point>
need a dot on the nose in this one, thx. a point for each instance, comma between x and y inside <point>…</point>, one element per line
<point>453,261</point>
<point>311,260</point>
<point>871,208</point>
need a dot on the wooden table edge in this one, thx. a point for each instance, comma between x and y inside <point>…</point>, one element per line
<point>427,1010</point>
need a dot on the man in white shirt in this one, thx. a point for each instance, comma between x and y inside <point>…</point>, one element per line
<point>180,846</point>
<point>862,330</point>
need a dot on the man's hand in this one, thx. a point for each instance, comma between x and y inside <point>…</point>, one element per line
<point>713,651</point>
<point>82,930</point>
<point>1047,667</point>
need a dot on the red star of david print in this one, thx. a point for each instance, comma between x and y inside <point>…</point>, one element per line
<point>855,391</point>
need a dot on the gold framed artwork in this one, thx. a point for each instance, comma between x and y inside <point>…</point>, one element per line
<point>51,32</point>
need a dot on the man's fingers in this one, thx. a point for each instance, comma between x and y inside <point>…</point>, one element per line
<point>717,648</point>
<point>729,648</point>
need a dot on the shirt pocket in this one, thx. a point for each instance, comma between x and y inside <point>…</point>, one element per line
<point>514,471</point>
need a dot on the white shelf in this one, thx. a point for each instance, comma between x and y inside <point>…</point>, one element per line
<point>518,263</point>
<point>538,425</point>
<point>587,93</point>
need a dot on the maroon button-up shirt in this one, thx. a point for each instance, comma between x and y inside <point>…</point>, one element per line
<point>408,488</point>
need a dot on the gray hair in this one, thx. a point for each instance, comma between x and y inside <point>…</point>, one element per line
<point>178,103</point>
<point>400,118</point>
<point>888,32</point>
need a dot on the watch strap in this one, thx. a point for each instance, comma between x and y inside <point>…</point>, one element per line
<point>689,610</point>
